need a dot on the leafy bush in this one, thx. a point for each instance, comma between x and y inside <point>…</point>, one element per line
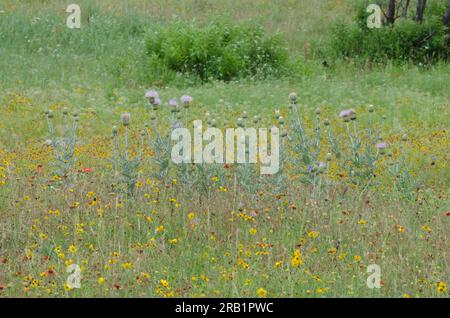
<point>220,50</point>
<point>406,40</point>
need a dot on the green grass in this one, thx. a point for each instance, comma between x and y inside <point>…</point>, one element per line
<point>98,71</point>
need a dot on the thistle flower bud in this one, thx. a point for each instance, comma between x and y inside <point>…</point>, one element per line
<point>207,114</point>
<point>213,123</point>
<point>156,103</point>
<point>371,108</point>
<point>321,167</point>
<point>255,119</point>
<point>50,114</point>
<point>281,120</point>
<point>125,119</point>
<point>142,133</point>
<point>244,115</point>
<point>65,111</point>
<point>405,137</point>
<point>326,122</point>
<point>48,142</point>
<point>329,157</point>
<point>317,111</point>
<point>153,117</point>
<point>47,111</point>
<point>284,134</point>
<point>277,114</point>
<point>114,130</point>
<point>381,146</point>
<point>240,122</point>
<point>75,114</point>
<point>293,98</point>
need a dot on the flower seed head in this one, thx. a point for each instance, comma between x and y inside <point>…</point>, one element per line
<point>293,98</point>
<point>125,119</point>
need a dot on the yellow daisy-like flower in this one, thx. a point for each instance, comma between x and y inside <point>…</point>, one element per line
<point>100,280</point>
<point>262,293</point>
<point>296,260</point>
<point>127,265</point>
<point>441,287</point>
<point>313,234</point>
<point>252,231</point>
<point>72,249</point>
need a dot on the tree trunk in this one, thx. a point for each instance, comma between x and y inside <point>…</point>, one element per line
<point>405,9</point>
<point>390,15</point>
<point>446,19</point>
<point>420,10</point>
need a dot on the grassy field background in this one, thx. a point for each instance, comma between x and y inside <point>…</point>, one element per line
<point>122,249</point>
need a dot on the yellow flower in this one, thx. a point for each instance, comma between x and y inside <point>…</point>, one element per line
<point>100,280</point>
<point>362,222</point>
<point>342,256</point>
<point>406,296</point>
<point>160,229</point>
<point>127,265</point>
<point>43,236</point>
<point>278,264</point>
<point>400,229</point>
<point>441,287</point>
<point>262,292</point>
<point>72,249</point>
<point>204,277</point>
<point>252,231</point>
<point>90,194</point>
<point>332,250</point>
<point>357,258</point>
<point>426,228</point>
<point>173,241</point>
<point>164,283</point>
<point>321,290</point>
<point>313,234</point>
<point>191,216</point>
<point>296,260</point>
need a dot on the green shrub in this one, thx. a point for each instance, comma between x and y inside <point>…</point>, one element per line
<point>406,40</point>
<point>220,50</point>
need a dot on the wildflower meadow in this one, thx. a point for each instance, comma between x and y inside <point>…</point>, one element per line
<point>220,149</point>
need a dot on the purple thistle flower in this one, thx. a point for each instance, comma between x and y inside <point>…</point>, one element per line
<point>173,102</point>
<point>381,145</point>
<point>152,96</point>
<point>186,100</point>
<point>347,113</point>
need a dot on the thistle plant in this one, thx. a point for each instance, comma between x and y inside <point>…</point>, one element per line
<point>306,146</point>
<point>125,164</point>
<point>64,143</point>
<point>366,147</point>
<point>160,143</point>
